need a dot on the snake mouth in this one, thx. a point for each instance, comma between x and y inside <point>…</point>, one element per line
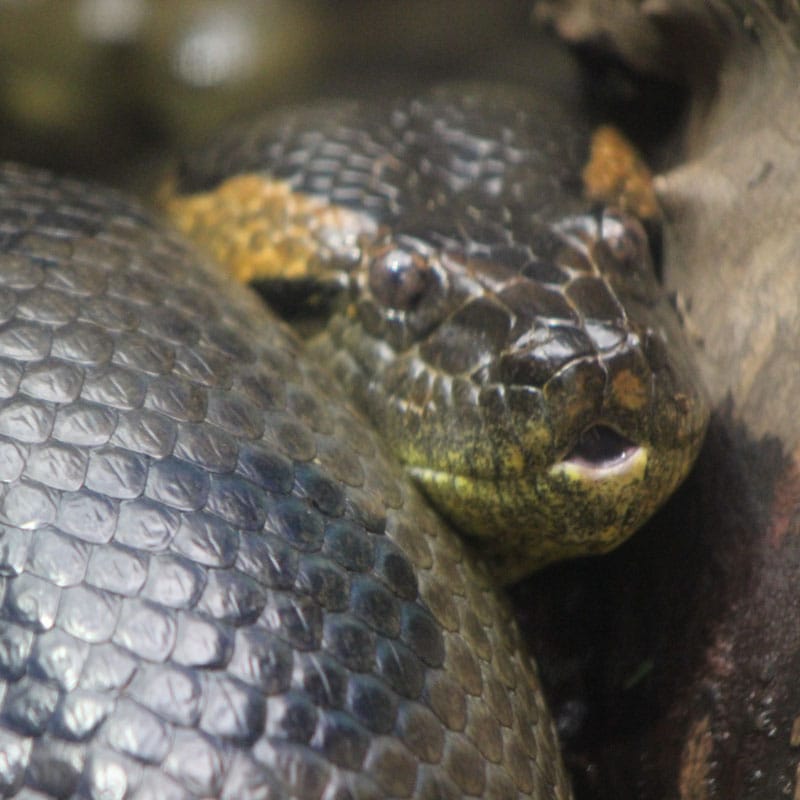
<point>600,451</point>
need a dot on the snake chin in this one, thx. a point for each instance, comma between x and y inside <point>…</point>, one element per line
<point>523,521</point>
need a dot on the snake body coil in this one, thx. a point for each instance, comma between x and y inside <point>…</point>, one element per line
<point>214,584</point>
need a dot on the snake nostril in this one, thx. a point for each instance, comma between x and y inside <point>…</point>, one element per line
<point>601,447</point>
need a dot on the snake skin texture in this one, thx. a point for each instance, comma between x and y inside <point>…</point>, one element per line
<point>213,583</point>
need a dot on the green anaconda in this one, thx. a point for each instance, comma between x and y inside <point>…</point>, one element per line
<point>505,334</point>
<point>216,582</point>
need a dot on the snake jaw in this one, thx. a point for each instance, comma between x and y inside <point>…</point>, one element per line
<point>528,520</point>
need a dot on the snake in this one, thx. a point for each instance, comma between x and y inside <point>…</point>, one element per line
<point>229,558</point>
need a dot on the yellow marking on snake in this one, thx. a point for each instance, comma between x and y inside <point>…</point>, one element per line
<point>261,229</point>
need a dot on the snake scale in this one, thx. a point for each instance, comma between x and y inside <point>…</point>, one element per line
<point>216,580</point>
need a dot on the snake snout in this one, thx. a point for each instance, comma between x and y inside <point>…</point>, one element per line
<point>600,449</point>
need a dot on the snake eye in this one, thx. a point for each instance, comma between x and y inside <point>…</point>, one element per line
<point>600,447</point>
<point>399,278</point>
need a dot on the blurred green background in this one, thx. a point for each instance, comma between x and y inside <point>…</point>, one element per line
<point>109,88</point>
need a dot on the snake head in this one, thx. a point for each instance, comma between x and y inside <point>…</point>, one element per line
<point>544,402</point>
<point>507,336</point>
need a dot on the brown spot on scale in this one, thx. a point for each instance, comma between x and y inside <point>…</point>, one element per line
<point>617,175</point>
<point>628,390</point>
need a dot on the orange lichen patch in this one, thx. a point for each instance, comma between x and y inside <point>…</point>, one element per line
<point>616,174</point>
<point>629,391</point>
<point>694,776</point>
<point>259,228</point>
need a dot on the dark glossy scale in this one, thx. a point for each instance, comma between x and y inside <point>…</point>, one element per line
<point>213,582</point>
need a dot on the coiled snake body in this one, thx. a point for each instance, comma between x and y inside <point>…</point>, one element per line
<point>216,582</point>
